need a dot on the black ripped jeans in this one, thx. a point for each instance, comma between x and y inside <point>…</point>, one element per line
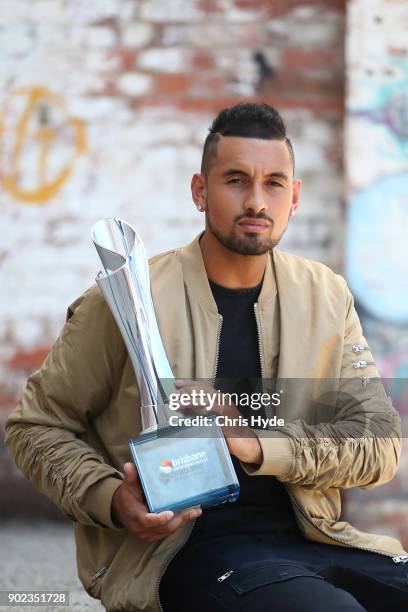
<point>281,572</point>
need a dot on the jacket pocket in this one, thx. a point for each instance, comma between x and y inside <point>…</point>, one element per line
<point>247,579</point>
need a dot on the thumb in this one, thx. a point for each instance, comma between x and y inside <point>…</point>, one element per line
<point>131,475</point>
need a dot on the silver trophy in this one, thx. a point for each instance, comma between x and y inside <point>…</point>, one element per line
<point>125,285</point>
<point>179,466</point>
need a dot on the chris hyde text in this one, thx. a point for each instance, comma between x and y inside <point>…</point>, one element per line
<point>226,421</point>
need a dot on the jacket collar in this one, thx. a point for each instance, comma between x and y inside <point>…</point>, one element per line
<point>281,279</point>
<point>196,276</point>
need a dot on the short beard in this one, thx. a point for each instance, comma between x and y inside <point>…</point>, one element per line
<point>250,244</point>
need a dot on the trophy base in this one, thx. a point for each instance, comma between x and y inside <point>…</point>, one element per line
<point>181,467</point>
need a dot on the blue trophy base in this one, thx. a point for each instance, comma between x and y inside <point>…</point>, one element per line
<point>181,467</point>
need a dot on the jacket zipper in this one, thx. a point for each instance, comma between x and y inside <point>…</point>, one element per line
<point>397,558</point>
<point>359,348</point>
<point>258,327</point>
<point>225,576</point>
<point>169,560</point>
<point>217,349</point>
<point>99,573</point>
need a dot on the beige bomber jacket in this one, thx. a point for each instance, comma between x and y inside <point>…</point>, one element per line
<point>69,433</point>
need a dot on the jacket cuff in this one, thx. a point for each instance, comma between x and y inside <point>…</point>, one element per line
<point>278,457</point>
<point>98,502</point>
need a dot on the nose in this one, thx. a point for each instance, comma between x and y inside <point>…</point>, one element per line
<point>255,200</point>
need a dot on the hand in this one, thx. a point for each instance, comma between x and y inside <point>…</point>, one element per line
<point>130,509</point>
<point>241,440</point>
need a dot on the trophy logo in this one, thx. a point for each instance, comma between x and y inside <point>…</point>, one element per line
<point>166,467</point>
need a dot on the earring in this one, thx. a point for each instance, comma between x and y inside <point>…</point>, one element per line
<point>200,208</point>
<point>292,212</point>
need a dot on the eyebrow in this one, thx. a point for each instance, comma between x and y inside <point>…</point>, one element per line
<point>232,171</point>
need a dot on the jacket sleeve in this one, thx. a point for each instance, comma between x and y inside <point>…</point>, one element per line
<point>44,432</point>
<point>358,447</point>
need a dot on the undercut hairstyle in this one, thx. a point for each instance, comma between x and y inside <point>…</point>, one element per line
<point>245,121</point>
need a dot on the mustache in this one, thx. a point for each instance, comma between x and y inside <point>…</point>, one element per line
<point>248,215</point>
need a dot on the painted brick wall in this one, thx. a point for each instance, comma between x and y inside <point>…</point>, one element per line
<point>104,105</point>
<point>104,108</point>
<point>376,248</point>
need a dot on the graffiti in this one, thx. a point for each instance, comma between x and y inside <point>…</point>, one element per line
<point>377,169</point>
<point>386,99</point>
<point>389,345</point>
<point>377,253</point>
<point>39,151</point>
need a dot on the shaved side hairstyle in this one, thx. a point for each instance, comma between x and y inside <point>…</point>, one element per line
<point>245,121</point>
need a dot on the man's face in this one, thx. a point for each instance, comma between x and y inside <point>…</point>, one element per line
<point>248,194</point>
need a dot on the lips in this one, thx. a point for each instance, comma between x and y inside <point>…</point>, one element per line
<point>253,224</point>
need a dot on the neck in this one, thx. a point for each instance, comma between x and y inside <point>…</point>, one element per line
<point>230,269</point>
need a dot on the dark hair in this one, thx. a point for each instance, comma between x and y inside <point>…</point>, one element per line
<point>246,121</point>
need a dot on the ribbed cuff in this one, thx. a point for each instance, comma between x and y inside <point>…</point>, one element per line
<point>98,502</point>
<point>278,456</point>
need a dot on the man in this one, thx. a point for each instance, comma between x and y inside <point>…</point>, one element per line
<point>230,307</point>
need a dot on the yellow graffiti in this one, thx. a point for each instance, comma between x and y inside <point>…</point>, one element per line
<point>40,101</point>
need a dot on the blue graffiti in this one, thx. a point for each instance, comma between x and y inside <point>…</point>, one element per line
<point>377,248</point>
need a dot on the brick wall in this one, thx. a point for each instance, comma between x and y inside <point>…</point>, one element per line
<point>104,108</point>
<point>376,250</point>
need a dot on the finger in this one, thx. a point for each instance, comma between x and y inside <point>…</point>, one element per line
<point>131,475</point>
<point>180,520</point>
<point>154,520</point>
<point>183,517</point>
<point>158,533</point>
<point>159,523</point>
<point>133,481</point>
<point>196,406</point>
<point>191,513</point>
<point>186,393</point>
<point>183,382</point>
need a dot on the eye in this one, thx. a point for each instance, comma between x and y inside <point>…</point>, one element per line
<point>237,180</point>
<point>274,183</point>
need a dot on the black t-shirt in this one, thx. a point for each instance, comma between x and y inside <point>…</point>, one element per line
<point>263,501</point>
<point>239,367</point>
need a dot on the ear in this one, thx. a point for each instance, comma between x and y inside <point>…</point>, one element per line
<point>297,184</point>
<point>199,191</point>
